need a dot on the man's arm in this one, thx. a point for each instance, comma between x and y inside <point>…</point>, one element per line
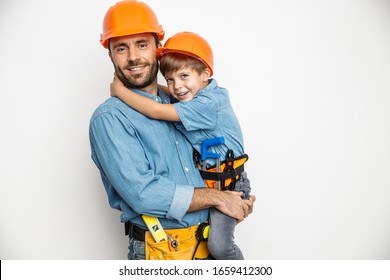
<point>114,145</point>
<point>228,202</point>
<point>121,158</point>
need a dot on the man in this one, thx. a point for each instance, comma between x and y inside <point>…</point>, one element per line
<point>146,165</point>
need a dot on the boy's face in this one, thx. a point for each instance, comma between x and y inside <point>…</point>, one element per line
<point>185,83</point>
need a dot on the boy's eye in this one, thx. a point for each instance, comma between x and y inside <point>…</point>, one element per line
<point>183,76</point>
<point>169,80</point>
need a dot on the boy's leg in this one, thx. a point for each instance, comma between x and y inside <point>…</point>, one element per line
<point>221,237</point>
<point>243,185</point>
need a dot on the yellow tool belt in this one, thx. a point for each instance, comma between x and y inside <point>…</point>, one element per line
<point>232,169</point>
<point>182,244</point>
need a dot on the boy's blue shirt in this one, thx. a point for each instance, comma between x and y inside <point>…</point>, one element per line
<point>208,115</point>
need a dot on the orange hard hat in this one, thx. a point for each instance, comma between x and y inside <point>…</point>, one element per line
<point>190,44</point>
<point>127,18</point>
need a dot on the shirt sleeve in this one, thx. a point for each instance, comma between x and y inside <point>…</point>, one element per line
<point>198,113</point>
<point>120,156</point>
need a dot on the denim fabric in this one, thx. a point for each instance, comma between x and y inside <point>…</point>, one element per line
<point>243,185</point>
<point>221,235</point>
<point>136,250</point>
<point>146,165</point>
<point>208,115</point>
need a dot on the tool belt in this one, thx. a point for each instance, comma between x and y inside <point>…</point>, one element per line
<point>232,168</point>
<point>182,244</point>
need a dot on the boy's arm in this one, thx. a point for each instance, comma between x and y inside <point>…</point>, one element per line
<point>142,104</point>
<point>164,89</point>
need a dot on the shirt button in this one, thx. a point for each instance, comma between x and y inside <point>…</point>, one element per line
<point>177,143</point>
<point>186,168</point>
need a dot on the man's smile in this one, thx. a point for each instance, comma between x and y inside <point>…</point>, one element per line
<point>138,69</point>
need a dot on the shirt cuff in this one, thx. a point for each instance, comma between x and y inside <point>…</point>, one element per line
<point>181,202</point>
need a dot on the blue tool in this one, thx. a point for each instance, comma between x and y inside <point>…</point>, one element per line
<point>205,154</point>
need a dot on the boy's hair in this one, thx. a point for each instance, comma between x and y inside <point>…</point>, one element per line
<point>172,62</point>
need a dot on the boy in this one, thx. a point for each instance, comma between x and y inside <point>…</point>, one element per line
<point>204,111</point>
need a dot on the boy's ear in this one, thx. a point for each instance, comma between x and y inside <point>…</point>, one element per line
<point>206,75</point>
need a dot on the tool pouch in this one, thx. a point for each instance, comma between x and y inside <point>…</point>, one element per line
<point>187,248</point>
<point>232,168</point>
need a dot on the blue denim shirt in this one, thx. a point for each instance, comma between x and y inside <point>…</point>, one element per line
<point>146,165</point>
<point>208,115</point>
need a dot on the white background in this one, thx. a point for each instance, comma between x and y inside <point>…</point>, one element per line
<point>310,84</point>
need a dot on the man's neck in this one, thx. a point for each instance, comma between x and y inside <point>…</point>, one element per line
<point>151,89</point>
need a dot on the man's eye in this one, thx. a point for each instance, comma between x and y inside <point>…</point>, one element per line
<point>143,45</point>
<point>120,50</point>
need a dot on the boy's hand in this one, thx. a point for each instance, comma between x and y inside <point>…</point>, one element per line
<point>115,86</point>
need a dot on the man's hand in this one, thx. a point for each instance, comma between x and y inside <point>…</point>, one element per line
<point>228,202</point>
<point>231,204</point>
<point>249,203</point>
<point>234,206</point>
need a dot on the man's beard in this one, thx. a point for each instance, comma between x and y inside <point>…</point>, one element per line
<point>138,81</point>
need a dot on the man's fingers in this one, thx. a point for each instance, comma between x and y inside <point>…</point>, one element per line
<point>239,220</point>
<point>246,210</point>
<point>249,203</point>
<point>237,193</point>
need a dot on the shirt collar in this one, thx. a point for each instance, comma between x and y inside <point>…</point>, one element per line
<point>161,96</point>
